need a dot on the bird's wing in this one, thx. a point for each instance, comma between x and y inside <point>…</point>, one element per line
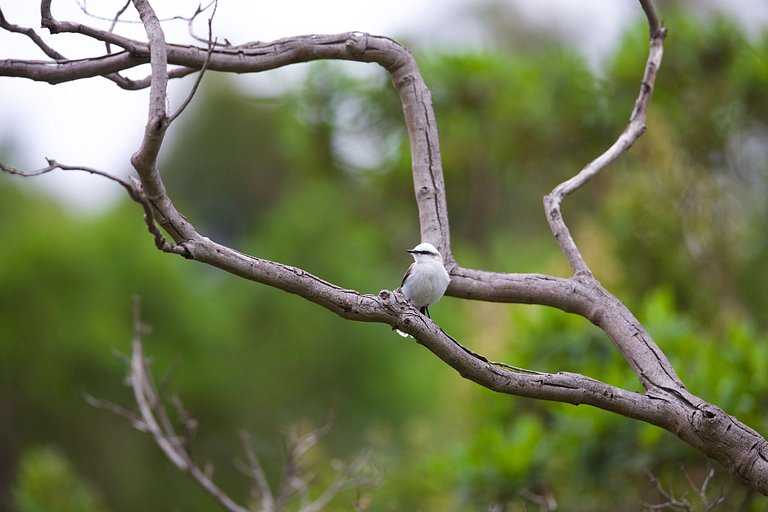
<point>407,273</point>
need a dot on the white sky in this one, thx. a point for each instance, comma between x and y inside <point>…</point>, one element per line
<point>95,123</point>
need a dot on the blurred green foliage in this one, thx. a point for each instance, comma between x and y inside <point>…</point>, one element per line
<point>47,483</point>
<point>319,178</point>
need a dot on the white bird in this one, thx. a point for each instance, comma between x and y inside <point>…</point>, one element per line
<point>426,279</point>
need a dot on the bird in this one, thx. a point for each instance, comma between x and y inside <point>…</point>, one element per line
<point>426,279</point>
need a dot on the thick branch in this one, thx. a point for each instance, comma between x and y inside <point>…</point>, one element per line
<point>145,159</point>
<point>667,403</point>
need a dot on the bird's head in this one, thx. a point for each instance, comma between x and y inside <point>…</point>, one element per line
<point>425,252</point>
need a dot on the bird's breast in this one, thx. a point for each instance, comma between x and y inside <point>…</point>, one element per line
<point>425,285</point>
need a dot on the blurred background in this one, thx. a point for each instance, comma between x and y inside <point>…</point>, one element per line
<point>310,167</point>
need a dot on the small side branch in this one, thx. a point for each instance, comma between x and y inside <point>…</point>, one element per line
<point>260,491</point>
<point>632,132</point>
<point>191,21</point>
<point>211,45</point>
<point>30,33</point>
<point>133,188</point>
<point>115,19</point>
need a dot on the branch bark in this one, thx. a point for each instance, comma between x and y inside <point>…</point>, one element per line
<point>665,401</point>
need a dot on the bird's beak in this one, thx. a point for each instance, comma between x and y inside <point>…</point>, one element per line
<point>410,251</point>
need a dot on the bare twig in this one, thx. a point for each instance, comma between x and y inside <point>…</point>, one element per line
<point>350,476</point>
<point>631,133</point>
<point>84,8</point>
<point>211,43</point>
<point>301,443</point>
<point>672,502</point>
<point>55,26</point>
<point>133,188</point>
<point>187,421</point>
<point>191,20</point>
<point>131,416</point>
<point>150,406</point>
<point>546,501</point>
<point>701,490</point>
<point>261,488</point>
<point>113,23</point>
<point>30,33</point>
<point>147,403</point>
<point>152,417</point>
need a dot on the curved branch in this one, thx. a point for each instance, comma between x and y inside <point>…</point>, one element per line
<point>666,403</point>
<point>583,294</point>
<point>414,95</point>
<point>145,159</point>
<point>632,132</point>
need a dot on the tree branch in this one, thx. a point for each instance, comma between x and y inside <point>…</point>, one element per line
<point>106,36</point>
<point>145,159</point>
<point>631,133</point>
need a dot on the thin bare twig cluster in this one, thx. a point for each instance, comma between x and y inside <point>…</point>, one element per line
<point>664,401</point>
<point>297,480</point>
<point>298,488</point>
<point>542,501</point>
<point>702,501</point>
